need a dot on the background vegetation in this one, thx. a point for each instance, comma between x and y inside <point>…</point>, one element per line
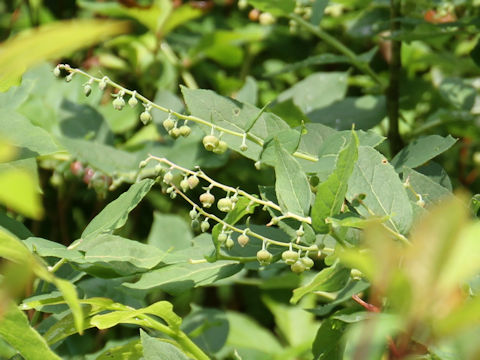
<point>102,257</point>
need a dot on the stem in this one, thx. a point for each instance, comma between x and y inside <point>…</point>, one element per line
<point>252,137</point>
<point>393,90</point>
<point>333,42</point>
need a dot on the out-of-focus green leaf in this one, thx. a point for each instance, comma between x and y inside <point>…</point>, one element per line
<point>49,41</point>
<point>14,227</point>
<point>15,329</point>
<point>327,343</point>
<point>69,293</point>
<point>419,151</point>
<point>458,93</point>
<point>115,214</point>
<point>275,7</point>
<point>154,349</point>
<point>132,351</point>
<point>291,185</point>
<point>385,194</point>
<point>311,60</point>
<point>248,92</point>
<point>329,279</point>
<point>169,232</point>
<point>318,8</point>
<point>331,193</point>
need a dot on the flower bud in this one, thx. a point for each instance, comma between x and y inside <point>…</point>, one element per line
<point>145,117</point>
<point>207,199</point>
<point>225,204</point>
<point>185,130</point>
<point>221,147</point>
<point>132,101</point>
<point>193,181</point>
<point>264,257</point>
<point>118,103</point>
<point>210,142</point>
<point>243,240</point>
<point>290,257</point>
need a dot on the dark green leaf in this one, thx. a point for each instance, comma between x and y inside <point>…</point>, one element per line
<point>327,344</point>
<point>458,93</point>
<point>154,349</point>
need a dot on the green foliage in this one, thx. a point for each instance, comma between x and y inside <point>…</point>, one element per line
<point>239,180</point>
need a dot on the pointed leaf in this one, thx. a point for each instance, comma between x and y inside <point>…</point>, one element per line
<point>331,193</point>
<point>291,186</point>
<point>154,349</point>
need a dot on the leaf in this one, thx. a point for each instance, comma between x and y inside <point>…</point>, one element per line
<point>430,191</point>
<point>458,93</point>
<point>70,295</point>
<point>320,59</point>
<point>275,7</point>
<point>178,278</point>
<point>329,279</point>
<point>47,248</point>
<point>154,349</point>
<point>475,53</point>
<point>131,351</point>
<point>316,91</point>
<point>289,140</point>
<point>14,227</point>
<point>364,112</point>
<point>291,185</point>
<point>289,112</point>
<point>115,214</point>
<point>15,329</point>
<point>249,91</point>
<point>318,9</point>
<point>385,193</point>
<point>420,150</point>
<point>327,343</point>
<point>51,41</point>
<point>331,193</point>
<point>208,328</point>
<point>169,232</point>
<point>31,140</point>
<point>233,115</point>
<point>109,255</point>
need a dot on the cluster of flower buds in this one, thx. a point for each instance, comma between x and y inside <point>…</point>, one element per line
<point>171,126</point>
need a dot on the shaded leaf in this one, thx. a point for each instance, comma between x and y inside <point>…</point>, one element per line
<point>169,232</point>
<point>154,349</point>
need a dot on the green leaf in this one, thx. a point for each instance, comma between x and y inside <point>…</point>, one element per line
<point>233,115</point>
<point>321,59</point>
<point>289,112</point>
<point>475,53</point>
<point>31,140</point>
<point>331,193</point>
<point>327,343</point>
<point>318,8</point>
<point>430,191</point>
<point>249,91</point>
<point>275,7</point>
<point>110,255</point>
<point>289,140</point>
<point>47,248</point>
<point>15,329</point>
<point>50,41</point>
<point>420,150</point>
<point>329,279</point>
<point>316,91</point>
<point>154,349</point>
<point>178,278</point>
<point>132,351</point>
<point>13,226</point>
<point>458,93</point>
<point>364,112</point>
<point>19,187</point>
<point>169,232</point>
<point>291,185</point>
<point>385,193</point>
<point>115,214</point>
<point>70,295</point>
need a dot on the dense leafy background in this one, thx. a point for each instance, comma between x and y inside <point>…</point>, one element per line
<point>96,256</point>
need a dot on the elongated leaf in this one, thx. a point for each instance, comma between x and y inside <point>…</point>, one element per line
<point>233,115</point>
<point>311,60</point>
<point>15,329</point>
<point>177,278</point>
<point>419,151</point>
<point>50,41</point>
<point>327,343</point>
<point>13,226</point>
<point>330,279</point>
<point>131,351</point>
<point>115,214</point>
<point>331,193</point>
<point>318,9</point>
<point>385,193</point>
<point>291,186</point>
<point>70,295</point>
<point>154,349</point>
<point>275,7</point>
<point>430,191</point>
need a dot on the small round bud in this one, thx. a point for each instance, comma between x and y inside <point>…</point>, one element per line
<point>185,130</point>
<point>132,101</point>
<point>242,4</point>
<point>69,77</point>
<point>207,199</point>
<point>145,117</point>
<point>193,214</point>
<point>142,164</point>
<point>258,165</point>
<point>87,90</point>
<point>421,203</point>
<point>168,124</point>
<point>222,237</point>
<point>307,262</point>
<point>193,181</point>
<point>76,168</point>
<point>244,147</point>
<point>243,240</point>
<point>264,257</point>
<point>300,232</point>
<point>298,267</point>
<point>174,133</point>
<point>225,204</point>
<point>184,185</point>
<point>173,195</point>
<point>57,71</point>
<point>102,84</point>
<point>266,19</point>
<point>88,175</point>
<point>195,225</point>
<point>168,177</point>
<point>204,226</point>
<point>229,243</point>
<point>210,142</point>
<point>290,257</point>
<point>118,103</point>
<point>221,147</point>
<point>254,14</point>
